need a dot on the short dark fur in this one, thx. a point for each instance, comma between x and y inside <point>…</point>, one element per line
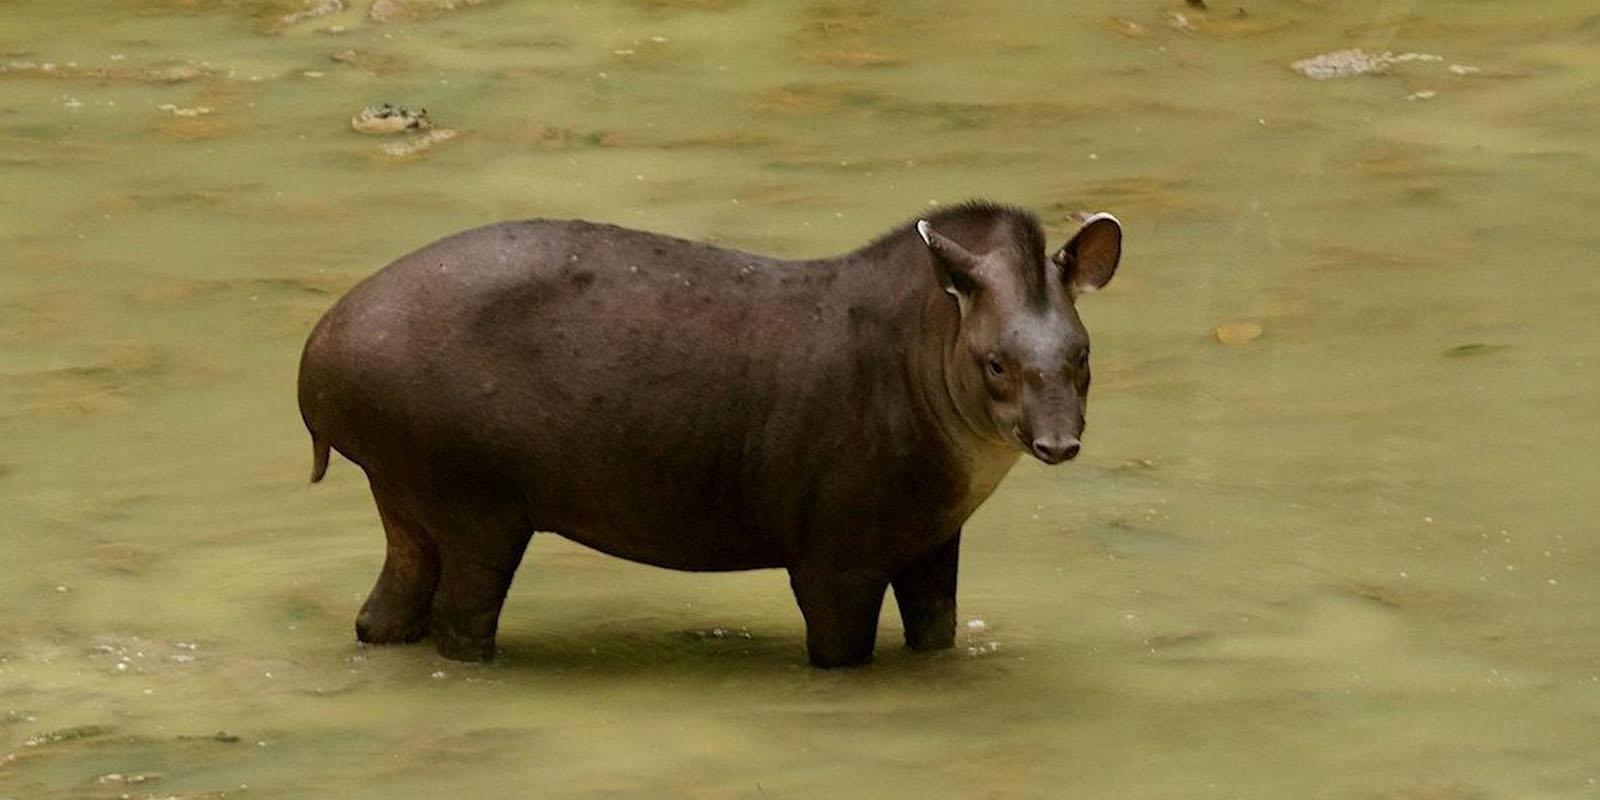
<point>681,405</point>
<point>981,226</point>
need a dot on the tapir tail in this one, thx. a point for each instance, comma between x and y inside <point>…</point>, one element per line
<point>319,458</point>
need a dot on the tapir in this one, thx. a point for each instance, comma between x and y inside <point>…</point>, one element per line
<point>700,408</point>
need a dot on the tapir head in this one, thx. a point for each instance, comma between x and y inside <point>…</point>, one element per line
<point>1019,368</point>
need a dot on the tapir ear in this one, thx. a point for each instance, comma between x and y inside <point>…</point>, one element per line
<point>958,269</point>
<point>1090,258</point>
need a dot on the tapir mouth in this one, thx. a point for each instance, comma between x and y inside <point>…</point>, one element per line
<point>1051,450</point>
<point>1055,452</point>
<point>1054,458</point>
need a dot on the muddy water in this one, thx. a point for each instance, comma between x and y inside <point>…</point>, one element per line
<point>1350,553</point>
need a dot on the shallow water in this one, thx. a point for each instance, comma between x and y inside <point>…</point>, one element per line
<point>1353,557</point>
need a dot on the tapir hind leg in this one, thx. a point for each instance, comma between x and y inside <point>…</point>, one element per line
<point>926,594</point>
<point>454,544</point>
<point>466,609</point>
<point>397,609</point>
<point>481,543</point>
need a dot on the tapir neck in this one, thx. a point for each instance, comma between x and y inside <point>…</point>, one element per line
<point>899,277</point>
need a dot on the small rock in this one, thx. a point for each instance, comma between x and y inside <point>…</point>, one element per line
<point>1341,64</point>
<point>312,10</point>
<point>66,735</point>
<point>387,11</point>
<point>1353,62</point>
<point>385,119</point>
<point>409,10</point>
<point>1238,333</point>
<point>1425,94</point>
<point>371,62</point>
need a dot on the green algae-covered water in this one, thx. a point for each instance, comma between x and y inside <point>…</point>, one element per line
<point>1333,535</point>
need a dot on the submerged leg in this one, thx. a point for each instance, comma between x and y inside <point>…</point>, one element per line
<point>841,613</point>
<point>397,608</point>
<point>468,604</point>
<point>476,572</point>
<point>926,594</point>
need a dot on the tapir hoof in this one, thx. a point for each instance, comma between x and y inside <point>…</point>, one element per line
<point>835,662</point>
<point>460,650</point>
<point>458,647</point>
<point>838,657</point>
<point>929,641</point>
<point>375,628</point>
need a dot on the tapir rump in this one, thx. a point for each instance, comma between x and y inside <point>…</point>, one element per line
<point>701,408</point>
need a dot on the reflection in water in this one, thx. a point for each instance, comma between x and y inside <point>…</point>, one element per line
<point>1332,533</point>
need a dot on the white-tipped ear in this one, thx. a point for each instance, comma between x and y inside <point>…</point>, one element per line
<point>957,268</point>
<point>1090,258</point>
<point>1100,215</point>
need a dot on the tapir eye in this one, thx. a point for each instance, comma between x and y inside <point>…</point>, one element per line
<point>992,363</point>
<point>1083,360</point>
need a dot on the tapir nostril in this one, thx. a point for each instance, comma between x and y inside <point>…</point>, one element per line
<point>1055,451</point>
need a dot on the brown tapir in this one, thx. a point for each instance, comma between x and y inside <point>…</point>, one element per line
<point>700,408</point>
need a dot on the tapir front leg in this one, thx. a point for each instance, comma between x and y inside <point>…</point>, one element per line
<point>841,610</point>
<point>926,594</point>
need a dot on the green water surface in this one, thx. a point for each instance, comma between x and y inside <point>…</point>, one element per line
<point>1353,557</point>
